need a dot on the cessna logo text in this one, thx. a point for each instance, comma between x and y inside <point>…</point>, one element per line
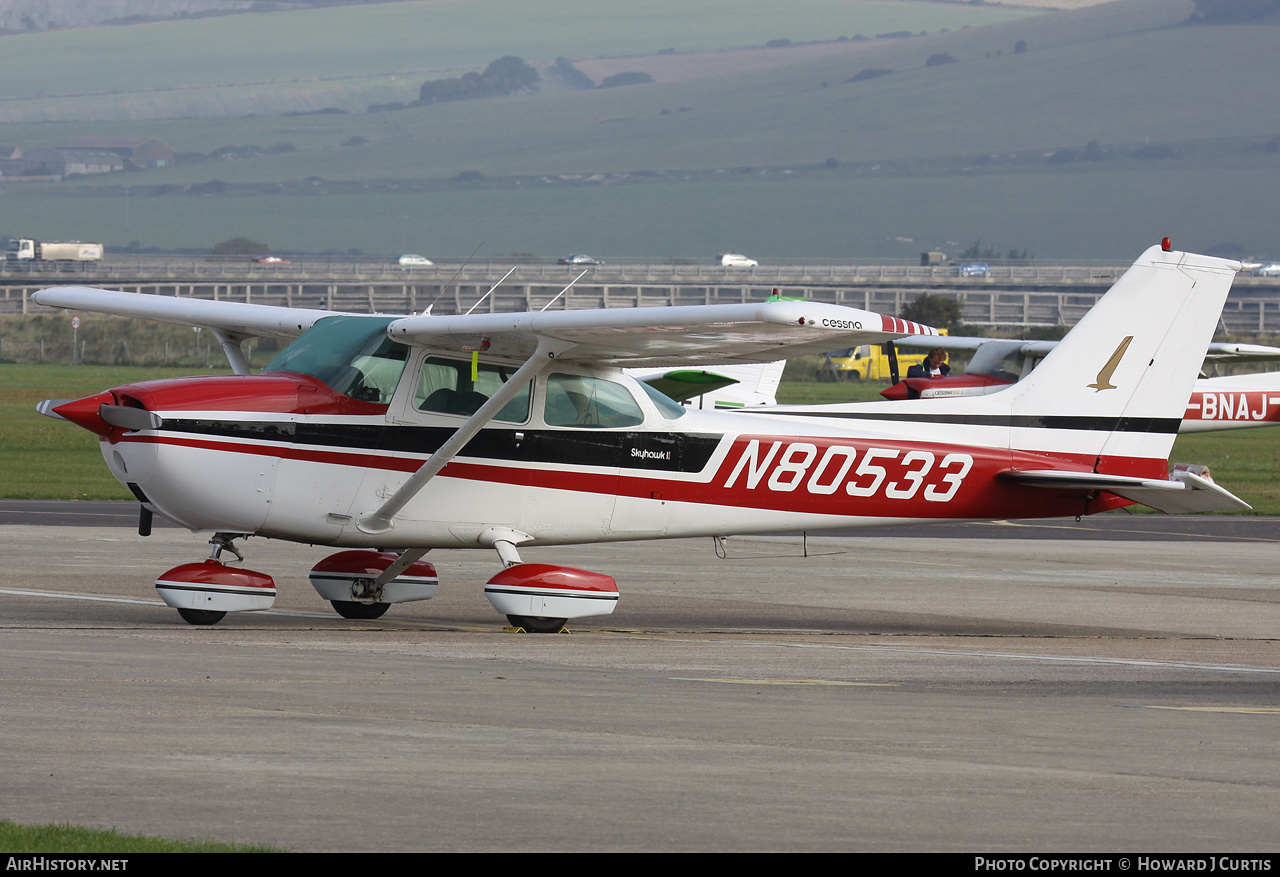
<point>842,324</point>
<point>890,472</point>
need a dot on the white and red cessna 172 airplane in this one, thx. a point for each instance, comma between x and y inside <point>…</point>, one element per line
<point>390,436</point>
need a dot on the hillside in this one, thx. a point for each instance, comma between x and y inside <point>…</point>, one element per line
<point>1114,126</point>
<point>351,56</point>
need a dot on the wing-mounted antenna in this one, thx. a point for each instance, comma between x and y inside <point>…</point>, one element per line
<point>560,293</point>
<point>465,262</point>
<point>491,289</point>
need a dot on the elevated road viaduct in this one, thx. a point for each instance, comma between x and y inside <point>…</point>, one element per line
<point>1012,296</point>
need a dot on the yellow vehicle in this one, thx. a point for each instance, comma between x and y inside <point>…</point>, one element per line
<point>866,363</point>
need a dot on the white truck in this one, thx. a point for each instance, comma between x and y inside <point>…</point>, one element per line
<point>27,250</point>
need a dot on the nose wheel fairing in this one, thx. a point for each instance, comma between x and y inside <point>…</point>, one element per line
<point>211,587</point>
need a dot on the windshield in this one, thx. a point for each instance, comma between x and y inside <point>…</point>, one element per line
<point>669,408</point>
<point>352,355</point>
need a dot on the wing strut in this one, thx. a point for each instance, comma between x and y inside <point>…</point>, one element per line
<point>381,520</point>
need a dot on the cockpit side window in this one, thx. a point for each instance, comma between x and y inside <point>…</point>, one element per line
<point>445,387</point>
<point>351,355</point>
<point>591,403</point>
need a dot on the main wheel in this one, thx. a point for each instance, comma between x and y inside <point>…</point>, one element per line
<point>534,624</point>
<point>201,616</point>
<point>366,611</point>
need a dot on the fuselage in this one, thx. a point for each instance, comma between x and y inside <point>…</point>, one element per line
<point>284,455</point>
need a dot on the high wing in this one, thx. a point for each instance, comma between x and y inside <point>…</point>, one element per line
<point>1228,352</point>
<point>234,318</point>
<point>231,322</point>
<point>662,336</point>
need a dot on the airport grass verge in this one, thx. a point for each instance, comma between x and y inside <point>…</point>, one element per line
<point>64,837</point>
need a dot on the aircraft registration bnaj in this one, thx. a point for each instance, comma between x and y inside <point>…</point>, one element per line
<point>391,436</point>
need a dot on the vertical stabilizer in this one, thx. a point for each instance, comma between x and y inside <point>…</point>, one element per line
<point>1121,378</point>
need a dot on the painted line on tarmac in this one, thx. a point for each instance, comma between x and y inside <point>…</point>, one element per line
<point>732,681</point>
<point>1238,710</point>
<point>1103,532</point>
<point>1051,659</point>
<point>138,601</point>
<point>96,598</point>
<point>959,653</point>
<point>339,623</point>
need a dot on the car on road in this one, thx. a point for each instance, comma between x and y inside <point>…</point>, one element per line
<point>735,260</point>
<point>413,259</point>
<point>974,269</point>
<point>1268,269</point>
<point>579,259</point>
<point>272,260</point>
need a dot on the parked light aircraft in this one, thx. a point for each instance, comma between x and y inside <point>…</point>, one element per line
<point>388,437</point>
<point>1229,402</point>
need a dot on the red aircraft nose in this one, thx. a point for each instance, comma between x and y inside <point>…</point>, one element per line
<point>87,412</point>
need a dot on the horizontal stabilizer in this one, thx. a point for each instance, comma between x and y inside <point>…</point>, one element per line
<point>1182,493</point>
<point>682,384</point>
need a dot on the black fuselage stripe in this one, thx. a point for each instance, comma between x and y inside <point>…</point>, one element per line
<point>666,452</point>
<point>1161,425</point>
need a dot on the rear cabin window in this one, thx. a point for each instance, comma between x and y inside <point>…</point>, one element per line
<point>591,403</point>
<point>351,355</point>
<point>445,387</point>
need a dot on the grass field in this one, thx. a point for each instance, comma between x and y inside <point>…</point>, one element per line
<point>41,458</point>
<point>17,839</point>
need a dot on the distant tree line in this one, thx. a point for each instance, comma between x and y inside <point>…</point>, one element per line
<point>631,77</point>
<point>1232,11</point>
<point>933,310</point>
<point>506,75</point>
<point>978,251</point>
